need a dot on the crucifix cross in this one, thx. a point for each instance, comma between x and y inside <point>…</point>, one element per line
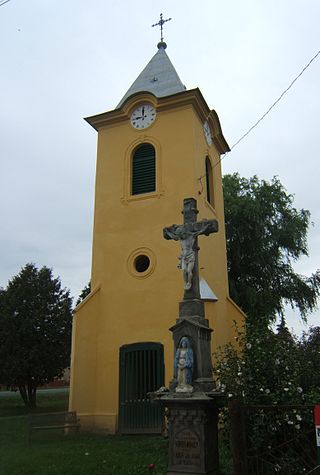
<point>187,233</point>
<point>160,23</point>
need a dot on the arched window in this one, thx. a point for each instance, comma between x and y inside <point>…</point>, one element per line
<point>143,172</point>
<point>209,181</point>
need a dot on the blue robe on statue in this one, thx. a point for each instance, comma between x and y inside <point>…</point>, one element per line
<point>188,356</point>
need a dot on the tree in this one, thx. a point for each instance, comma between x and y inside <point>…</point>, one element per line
<point>35,331</point>
<point>84,292</point>
<point>310,362</point>
<point>265,236</point>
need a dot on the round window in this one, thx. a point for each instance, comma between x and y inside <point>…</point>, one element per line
<point>141,263</point>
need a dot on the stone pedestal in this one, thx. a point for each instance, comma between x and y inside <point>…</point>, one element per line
<point>193,433</point>
<point>190,308</point>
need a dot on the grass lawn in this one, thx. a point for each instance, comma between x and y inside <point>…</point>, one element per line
<point>48,400</point>
<point>51,452</point>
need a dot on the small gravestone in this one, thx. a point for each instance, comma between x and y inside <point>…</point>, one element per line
<point>191,404</point>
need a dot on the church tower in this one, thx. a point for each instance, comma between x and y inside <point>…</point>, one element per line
<point>160,145</point>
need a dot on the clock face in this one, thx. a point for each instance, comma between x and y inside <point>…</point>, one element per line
<point>207,133</point>
<point>143,116</point>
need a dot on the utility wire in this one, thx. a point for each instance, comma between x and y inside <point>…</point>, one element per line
<point>4,1</point>
<point>270,108</point>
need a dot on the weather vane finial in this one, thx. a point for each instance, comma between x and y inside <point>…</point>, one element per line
<point>160,23</point>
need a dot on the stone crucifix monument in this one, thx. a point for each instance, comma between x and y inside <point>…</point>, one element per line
<point>191,322</point>
<point>192,404</point>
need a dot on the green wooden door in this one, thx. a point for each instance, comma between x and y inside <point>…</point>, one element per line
<point>141,371</point>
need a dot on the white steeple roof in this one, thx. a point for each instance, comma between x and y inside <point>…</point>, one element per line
<point>159,77</point>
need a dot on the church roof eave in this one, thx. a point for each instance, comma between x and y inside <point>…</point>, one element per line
<point>179,99</point>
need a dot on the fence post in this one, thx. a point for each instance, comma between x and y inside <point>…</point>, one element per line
<point>317,426</point>
<point>238,437</point>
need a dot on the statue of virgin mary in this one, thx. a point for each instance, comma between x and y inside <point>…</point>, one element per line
<point>183,366</point>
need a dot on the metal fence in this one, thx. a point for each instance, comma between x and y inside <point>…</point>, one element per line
<point>270,440</point>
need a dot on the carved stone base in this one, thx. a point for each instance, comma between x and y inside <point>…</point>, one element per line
<point>191,308</point>
<point>203,384</point>
<point>193,434</point>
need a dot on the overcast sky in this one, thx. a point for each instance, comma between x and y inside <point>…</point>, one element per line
<point>61,61</point>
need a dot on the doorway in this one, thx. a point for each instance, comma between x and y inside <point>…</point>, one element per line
<point>141,372</point>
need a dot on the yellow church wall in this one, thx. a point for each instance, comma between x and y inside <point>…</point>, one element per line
<point>135,307</point>
<point>83,358</point>
<point>212,255</point>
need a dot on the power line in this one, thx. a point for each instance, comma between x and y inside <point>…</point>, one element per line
<point>270,108</point>
<point>3,2</point>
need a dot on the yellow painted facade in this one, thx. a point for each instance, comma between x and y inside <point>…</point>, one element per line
<point>126,306</point>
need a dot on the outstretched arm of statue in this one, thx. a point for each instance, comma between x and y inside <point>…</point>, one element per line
<point>170,232</point>
<point>210,226</point>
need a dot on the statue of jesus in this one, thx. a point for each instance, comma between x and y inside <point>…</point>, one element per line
<point>187,238</point>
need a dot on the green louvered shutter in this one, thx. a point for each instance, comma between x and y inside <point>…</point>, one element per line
<point>143,170</point>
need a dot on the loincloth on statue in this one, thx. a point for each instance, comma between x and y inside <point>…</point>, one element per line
<point>187,259</point>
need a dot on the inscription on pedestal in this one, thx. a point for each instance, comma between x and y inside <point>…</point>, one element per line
<point>186,449</point>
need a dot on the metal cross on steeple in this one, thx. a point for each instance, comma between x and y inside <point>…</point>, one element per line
<point>160,23</point>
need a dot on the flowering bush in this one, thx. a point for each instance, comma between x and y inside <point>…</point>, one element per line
<point>268,368</point>
<point>262,367</point>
